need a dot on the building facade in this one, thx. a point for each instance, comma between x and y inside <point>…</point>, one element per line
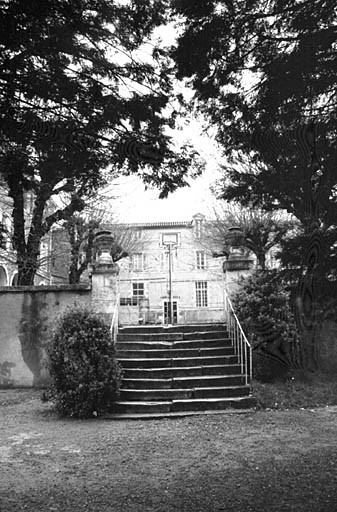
<point>171,274</point>
<point>172,278</point>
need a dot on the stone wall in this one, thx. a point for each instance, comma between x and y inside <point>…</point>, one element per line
<point>27,315</point>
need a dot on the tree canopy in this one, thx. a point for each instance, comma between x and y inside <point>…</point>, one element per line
<point>76,97</point>
<point>264,72</point>
<point>265,75</point>
<point>256,64</point>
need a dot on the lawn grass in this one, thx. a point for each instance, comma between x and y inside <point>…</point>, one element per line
<point>301,390</point>
<point>258,461</point>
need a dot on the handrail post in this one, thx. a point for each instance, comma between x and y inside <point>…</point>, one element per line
<point>114,322</point>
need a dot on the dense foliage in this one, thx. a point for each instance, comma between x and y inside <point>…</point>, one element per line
<point>258,65</point>
<point>83,88</point>
<point>265,75</point>
<point>82,364</point>
<point>264,309</point>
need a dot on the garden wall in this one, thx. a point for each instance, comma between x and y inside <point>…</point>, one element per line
<point>26,318</point>
<point>327,347</point>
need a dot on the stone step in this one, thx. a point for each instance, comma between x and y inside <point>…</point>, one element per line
<point>175,353</point>
<point>174,372</point>
<point>127,407</point>
<point>149,337</point>
<point>185,382</point>
<point>177,362</point>
<point>201,404</point>
<point>180,369</point>
<point>191,404</point>
<point>183,344</point>
<point>173,328</point>
<point>206,335</point>
<point>182,394</point>
<point>221,392</point>
<point>171,336</point>
<point>141,395</point>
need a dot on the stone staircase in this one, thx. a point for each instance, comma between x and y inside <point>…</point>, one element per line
<point>179,369</point>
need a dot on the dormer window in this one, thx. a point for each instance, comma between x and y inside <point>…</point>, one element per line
<point>198,228</point>
<point>198,225</point>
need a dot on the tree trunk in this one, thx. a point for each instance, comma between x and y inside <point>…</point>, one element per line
<point>26,271</point>
<point>26,260</point>
<point>75,273</point>
<point>27,250</point>
<point>80,233</point>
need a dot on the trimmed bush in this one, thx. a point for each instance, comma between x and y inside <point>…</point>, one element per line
<point>263,307</point>
<point>82,364</point>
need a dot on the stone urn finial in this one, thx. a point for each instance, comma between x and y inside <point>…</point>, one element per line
<point>235,237</point>
<point>103,243</point>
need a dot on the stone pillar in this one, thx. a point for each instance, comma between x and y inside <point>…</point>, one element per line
<point>236,266</point>
<point>104,292</point>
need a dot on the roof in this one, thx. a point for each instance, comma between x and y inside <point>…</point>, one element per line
<point>147,225</point>
<point>155,225</point>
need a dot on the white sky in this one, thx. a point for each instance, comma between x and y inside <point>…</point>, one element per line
<point>132,203</point>
<point>136,204</point>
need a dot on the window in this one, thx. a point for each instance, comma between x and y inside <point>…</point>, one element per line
<point>138,289</point>
<point>5,230</point>
<point>2,236</point>
<point>201,260</point>
<point>128,301</point>
<point>201,294</point>
<point>138,261</point>
<point>138,292</point>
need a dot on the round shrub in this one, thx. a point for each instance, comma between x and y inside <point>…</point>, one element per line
<point>263,306</point>
<point>82,364</point>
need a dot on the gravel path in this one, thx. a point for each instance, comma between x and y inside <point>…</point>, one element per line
<point>259,461</point>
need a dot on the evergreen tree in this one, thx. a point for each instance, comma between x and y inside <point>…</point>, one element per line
<point>76,98</point>
<point>265,75</point>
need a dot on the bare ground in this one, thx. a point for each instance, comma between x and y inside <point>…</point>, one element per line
<point>257,461</point>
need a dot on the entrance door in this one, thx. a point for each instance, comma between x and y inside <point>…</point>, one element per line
<point>167,305</point>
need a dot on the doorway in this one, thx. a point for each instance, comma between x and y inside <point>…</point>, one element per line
<point>167,306</point>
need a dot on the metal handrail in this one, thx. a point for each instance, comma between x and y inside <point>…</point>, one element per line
<point>114,322</point>
<point>242,347</point>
